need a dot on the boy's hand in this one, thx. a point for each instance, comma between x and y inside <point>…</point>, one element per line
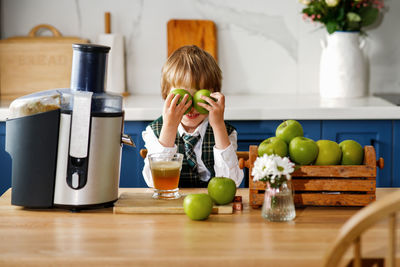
<point>215,108</point>
<point>172,116</point>
<point>216,111</point>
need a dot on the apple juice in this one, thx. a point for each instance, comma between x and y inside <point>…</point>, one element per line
<point>165,174</point>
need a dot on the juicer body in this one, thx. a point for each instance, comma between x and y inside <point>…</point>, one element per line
<point>95,183</point>
<point>66,144</point>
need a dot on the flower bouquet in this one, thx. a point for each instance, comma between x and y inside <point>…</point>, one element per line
<point>343,15</point>
<point>276,172</point>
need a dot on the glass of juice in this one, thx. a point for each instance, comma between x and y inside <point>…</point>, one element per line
<point>166,170</point>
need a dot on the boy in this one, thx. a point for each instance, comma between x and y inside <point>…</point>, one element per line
<point>214,142</point>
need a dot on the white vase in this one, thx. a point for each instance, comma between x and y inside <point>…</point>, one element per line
<point>343,69</point>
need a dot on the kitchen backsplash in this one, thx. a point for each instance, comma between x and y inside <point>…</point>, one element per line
<point>264,47</point>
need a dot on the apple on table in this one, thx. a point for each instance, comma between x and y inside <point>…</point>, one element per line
<point>222,190</point>
<point>198,206</point>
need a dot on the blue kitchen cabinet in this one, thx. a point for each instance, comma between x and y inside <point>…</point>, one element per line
<point>5,161</point>
<point>383,134</point>
<point>378,133</point>
<point>396,155</point>
<point>132,163</point>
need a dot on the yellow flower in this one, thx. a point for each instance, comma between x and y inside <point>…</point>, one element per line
<point>305,2</point>
<point>332,3</point>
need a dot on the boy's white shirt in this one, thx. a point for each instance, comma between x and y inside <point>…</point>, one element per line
<point>225,160</point>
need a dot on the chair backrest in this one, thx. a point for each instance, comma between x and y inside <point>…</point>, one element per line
<point>351,231</point>
<point>202,33</point>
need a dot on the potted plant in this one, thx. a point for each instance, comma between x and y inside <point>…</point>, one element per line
<point>276,172</point>
<point>343,67</point>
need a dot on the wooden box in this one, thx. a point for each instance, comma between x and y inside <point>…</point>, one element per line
<point>35,63</point>
<point>324,185</point>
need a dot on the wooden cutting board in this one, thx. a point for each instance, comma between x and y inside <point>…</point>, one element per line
<point>35,63</point>
<point>143,203</point>
<point>202,33</point>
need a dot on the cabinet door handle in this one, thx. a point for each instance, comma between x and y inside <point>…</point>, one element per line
<point>373,142</point>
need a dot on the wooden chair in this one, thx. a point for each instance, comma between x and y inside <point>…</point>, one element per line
<point>351,231</point>
<point>242,156</point>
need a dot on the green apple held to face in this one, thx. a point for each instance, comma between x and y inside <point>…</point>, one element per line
<point>273,145</point>
<point>352,152</point>
<point>197,206</point>
<point>288,130</point>
<point>182,93</point>
<point>329,153</point>
<point>303,150</point>
<point>222,190</point>
<point>197,99</point>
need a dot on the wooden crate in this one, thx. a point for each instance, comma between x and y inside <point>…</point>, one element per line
<point>324,185</point>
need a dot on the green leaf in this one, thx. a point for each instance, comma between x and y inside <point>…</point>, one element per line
<point>341,13</point>
<point>331,26</point>
<point>353,17</point>
<point>353,26</point>
<point>368,15</point>
<point>307,11</point>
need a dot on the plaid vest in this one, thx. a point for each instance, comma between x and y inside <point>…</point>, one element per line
<point>190,177</point>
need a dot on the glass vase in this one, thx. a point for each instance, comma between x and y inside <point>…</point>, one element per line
<point>278,203</point>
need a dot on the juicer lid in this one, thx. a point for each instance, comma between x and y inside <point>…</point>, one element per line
<point>37,103</point>
<point>63,99</point>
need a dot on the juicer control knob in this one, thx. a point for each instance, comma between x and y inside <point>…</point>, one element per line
<point>75,180</point>
<point>77,172</point>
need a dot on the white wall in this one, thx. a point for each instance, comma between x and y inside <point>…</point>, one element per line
<point>264,46</point>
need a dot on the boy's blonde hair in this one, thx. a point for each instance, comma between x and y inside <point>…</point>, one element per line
<point>190,67</point>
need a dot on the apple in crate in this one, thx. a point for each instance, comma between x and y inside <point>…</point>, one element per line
<point>273,145</point>
<point>329,153</point>
<point>352,152</point>
<point>303,150</point>
<point>288,130</point>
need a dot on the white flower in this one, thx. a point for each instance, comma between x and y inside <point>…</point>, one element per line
<point>272,167</point>
<point>332,3</point>
<point>305,2</point>
<point>284,166</point>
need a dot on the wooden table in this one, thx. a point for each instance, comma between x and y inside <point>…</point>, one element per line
<point>97,238</point>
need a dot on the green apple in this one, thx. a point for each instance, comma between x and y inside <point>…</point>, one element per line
<point>182,93</point>
<point>352,152</point>
<point>197,99</point>
<point>222,190</point>
<point>303,150</point>
<point>288,130</point>
<point>273,145</point>
<point>329,153</point>
<point>198,206</point>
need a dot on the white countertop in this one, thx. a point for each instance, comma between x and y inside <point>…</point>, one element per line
<point>277,107</point>
<point>267,107</point>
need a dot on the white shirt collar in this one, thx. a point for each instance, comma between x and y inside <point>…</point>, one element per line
<point>200,130</point>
